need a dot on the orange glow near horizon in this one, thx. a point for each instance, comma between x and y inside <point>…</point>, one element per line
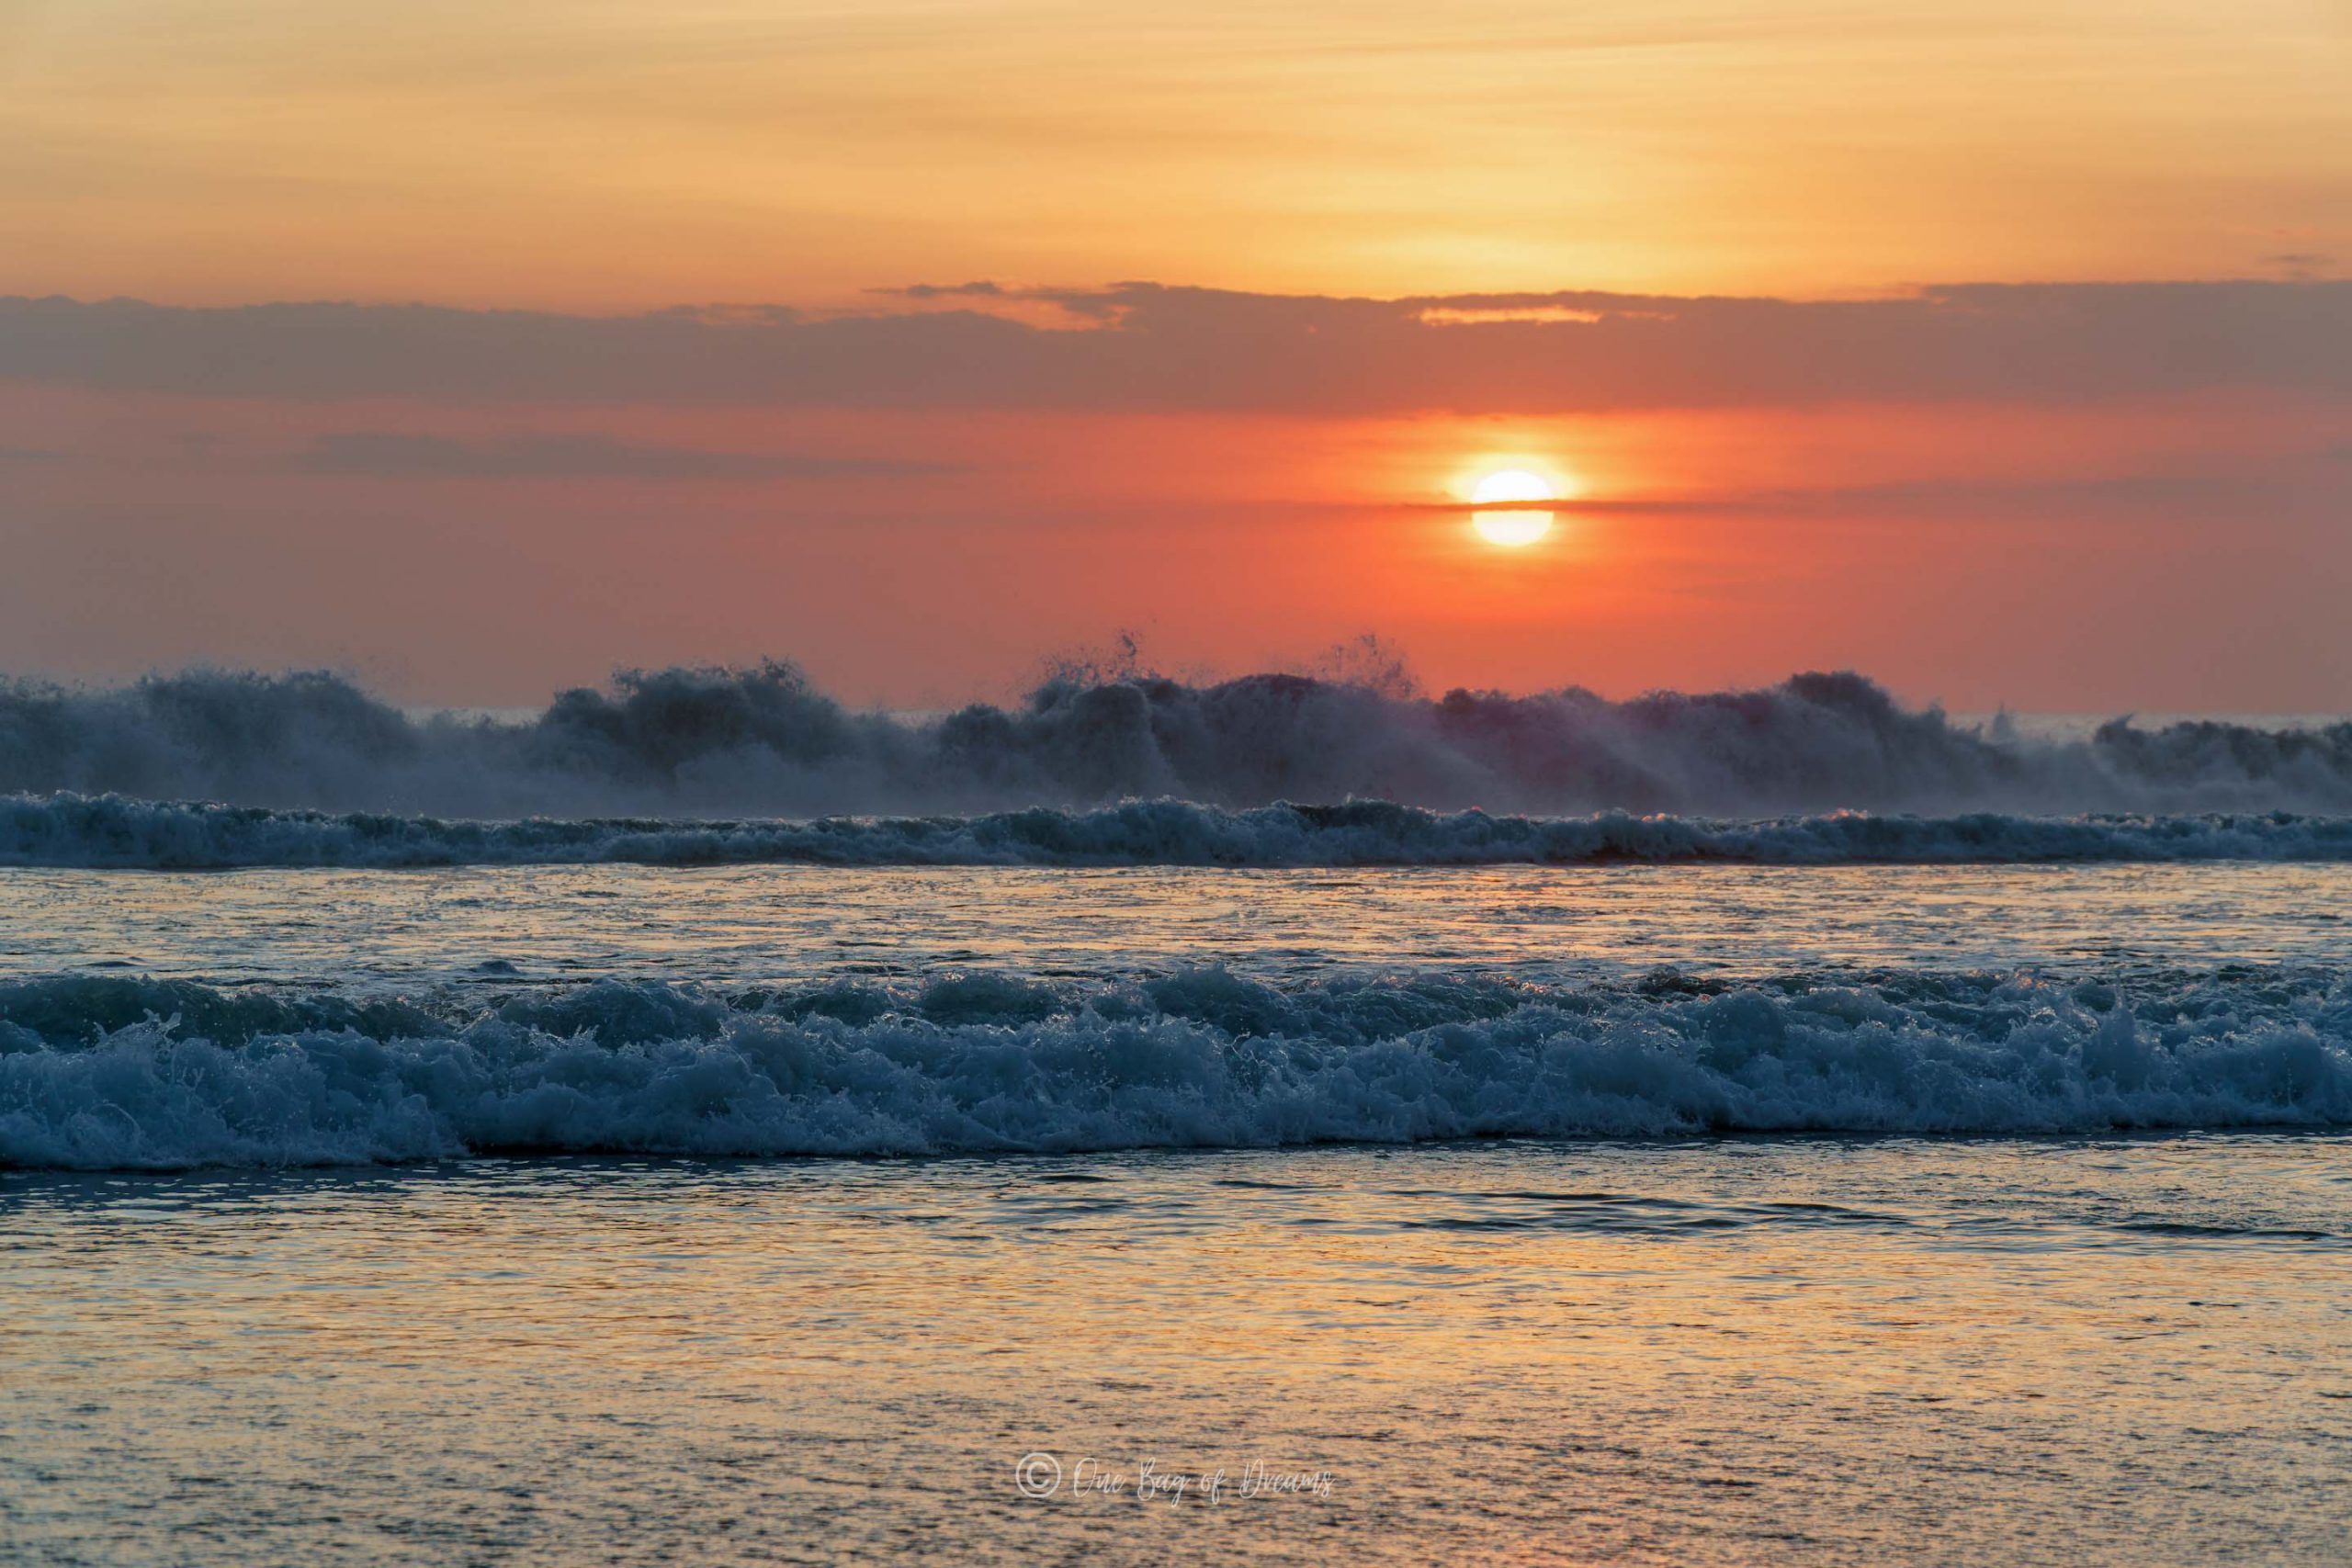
<point>1708,548</point>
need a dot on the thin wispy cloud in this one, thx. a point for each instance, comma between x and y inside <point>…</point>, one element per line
<point>391,454</point>
<point>2312,485</point>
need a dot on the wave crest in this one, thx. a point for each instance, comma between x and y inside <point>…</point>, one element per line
<point>112,833</point>
<point>763,740</point>
<point>125,1073</point>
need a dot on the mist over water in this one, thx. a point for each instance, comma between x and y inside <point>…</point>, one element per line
<point>763,741</point>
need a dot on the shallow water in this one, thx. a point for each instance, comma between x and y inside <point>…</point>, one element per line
<point>377,930</point>
<point>1875,1351</point>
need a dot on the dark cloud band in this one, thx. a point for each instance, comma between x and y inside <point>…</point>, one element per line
<point>1162,349</point>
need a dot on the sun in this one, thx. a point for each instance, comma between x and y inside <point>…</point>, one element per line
<point>1522,524</point>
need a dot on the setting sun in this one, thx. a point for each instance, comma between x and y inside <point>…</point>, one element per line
<point>1609,710</point>
<point>1513,487</point>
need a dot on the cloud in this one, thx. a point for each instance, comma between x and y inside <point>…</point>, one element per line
<point>2303,486</point>
<point>2301,265</point>
<point>1167,349</point>
<point>2294,487</point>
<point>395,454</point>
<point>981,289</point>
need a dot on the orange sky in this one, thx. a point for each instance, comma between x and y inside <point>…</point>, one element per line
<point>2063,499</point>
<point>601,154</point>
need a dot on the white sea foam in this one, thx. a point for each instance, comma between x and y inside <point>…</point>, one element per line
<point>103,1073</point>
<point>110,832</point>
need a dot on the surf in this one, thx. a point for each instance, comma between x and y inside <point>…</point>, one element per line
<point>110,1073</point>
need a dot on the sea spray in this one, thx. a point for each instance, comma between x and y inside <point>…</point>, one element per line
<point>763,741</point>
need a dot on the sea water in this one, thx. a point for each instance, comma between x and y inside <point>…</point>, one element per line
<point>1683,1213</point>
<point>2121,1349</point>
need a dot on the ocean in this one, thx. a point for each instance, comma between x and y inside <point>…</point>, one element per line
<point>1943,1158</point>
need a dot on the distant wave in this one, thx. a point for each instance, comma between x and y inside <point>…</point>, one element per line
<point>120,1073</point>
<point>762,742</point>
<point>109,831</point>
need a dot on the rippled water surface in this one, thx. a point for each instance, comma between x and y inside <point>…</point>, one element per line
<point>350,929</point>
<point>2099,1345</point>
<point>2128,1351</point>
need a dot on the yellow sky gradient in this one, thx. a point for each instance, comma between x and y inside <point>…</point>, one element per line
<point>610,154</point>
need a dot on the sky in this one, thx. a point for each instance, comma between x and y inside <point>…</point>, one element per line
<point>2002,352</point>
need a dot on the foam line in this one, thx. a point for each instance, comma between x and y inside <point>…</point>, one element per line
<point>110,832</point>
<point>122,1072</point>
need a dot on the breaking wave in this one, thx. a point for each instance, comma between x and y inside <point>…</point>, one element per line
<point>762,742</point>
<point>122,1072</point>
<point>110,831</point>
